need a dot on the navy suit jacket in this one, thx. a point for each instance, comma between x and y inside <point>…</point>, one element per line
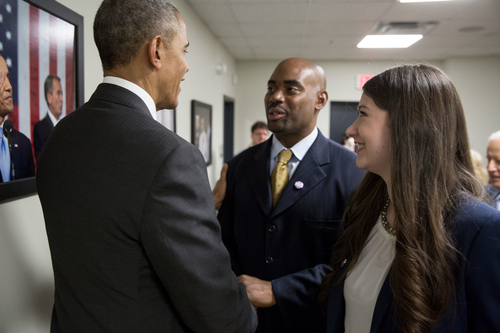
<point>131,224</point>
<point>21,156</point>
<point>291,244</point>
<point>41,133</point>
<point>492,193</point>
<point>476,232</point>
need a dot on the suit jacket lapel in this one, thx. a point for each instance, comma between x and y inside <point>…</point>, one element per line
<point>309,172</point>
<point>258,177</point>
<point>383,304</point>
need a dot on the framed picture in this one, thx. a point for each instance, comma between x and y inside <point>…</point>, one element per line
<point>201,129</point>
<point>42,38</point>
<point>167,118</point>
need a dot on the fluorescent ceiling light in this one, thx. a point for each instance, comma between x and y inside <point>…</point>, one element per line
<point>388,41</point>
<point>403,1</point>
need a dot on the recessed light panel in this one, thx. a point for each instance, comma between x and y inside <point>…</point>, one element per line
<point>388,41</point>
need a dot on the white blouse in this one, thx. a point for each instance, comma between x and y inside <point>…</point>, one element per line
<point>364,281</point>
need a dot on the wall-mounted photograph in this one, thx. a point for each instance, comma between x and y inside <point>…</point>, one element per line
<point>201,129</point>
<point>42,50</point>
<point>167,117</point>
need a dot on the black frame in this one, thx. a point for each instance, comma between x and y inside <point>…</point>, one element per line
<point>25,187</point>
<point>203,111</point>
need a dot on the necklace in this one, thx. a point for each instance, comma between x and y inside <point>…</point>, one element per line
<point>384,219</point>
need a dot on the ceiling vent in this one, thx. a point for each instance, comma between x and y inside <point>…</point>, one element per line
<point>404,28</point>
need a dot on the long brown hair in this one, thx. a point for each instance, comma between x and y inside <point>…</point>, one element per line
<point>431,166</point>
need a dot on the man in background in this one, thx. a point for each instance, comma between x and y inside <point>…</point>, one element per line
<point>130,219</point>
<point>284,203</point>
<point>54,98</point>
<point>16,158</point>
<point>493,156</point>
<point>260,133</point>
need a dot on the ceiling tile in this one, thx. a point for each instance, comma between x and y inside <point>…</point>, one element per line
<point>273,29</point>
<point>210,13</point>
<point>269,12</point>
<point>226,29</point>
<point>347,12</point>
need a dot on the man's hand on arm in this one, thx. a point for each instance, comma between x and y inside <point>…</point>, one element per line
<point>260,292</point>
<point>219,191</point>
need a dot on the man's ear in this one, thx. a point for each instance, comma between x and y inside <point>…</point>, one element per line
<point>155,48</point>
<point>321,99</point>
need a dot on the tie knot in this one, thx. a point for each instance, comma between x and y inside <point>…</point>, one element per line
<point>285,156</point>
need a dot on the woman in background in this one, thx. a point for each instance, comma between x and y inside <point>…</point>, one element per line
<point>419,251</point>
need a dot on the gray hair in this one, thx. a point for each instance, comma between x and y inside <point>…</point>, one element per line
<point>494,136</point>
<point>121,27</point>
<point>48,86</point>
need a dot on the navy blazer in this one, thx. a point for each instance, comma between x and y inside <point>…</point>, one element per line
<point>492,193</point>
<point>476,232</point>
<point>21,155</point>
<point>291,244</point>
<point>41,133</point>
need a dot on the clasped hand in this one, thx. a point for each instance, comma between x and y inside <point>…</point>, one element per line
<point>260,292</point>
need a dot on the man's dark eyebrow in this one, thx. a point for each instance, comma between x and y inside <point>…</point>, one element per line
<point>271,82</point>
<point>293,82</point>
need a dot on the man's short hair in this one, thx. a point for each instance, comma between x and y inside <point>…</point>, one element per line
<point>121,27</point>
<point>48,86</point>
<point>494,136</point>
<point>259,125</point>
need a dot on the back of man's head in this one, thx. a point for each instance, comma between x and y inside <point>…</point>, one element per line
<point>121,27</point>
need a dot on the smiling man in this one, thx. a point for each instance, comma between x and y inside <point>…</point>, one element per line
<point>280,218</point>
<point>493,156</point>
<point>130,217</point>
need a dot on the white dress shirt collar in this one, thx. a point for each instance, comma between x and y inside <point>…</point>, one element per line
<point>148,100</point>
<point>299,149</point>
<point>52,118</point>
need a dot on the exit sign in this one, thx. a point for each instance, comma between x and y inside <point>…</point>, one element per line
<point>361,80</point>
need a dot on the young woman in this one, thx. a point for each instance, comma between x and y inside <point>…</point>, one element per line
<point>419,251</point>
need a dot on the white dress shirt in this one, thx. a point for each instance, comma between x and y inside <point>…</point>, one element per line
<point>363,283</point>
<point>148,100</point>
<point>299,151</point>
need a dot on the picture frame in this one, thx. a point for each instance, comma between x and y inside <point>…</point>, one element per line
<point>201,129</point>
<point>167,118</point>
<point>42,12</point>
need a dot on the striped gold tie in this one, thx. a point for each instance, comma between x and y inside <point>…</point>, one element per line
<point>279,176</point>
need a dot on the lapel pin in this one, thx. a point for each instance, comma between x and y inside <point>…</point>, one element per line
<point>343,263</point>
<point>298,185</point>
<point>15,145</point>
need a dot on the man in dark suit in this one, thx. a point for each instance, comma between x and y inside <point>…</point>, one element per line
<point>54,98</point>
<point>493,156</point>
<point>16,157</point>
<point>280,249</point>
<point>130,217</point>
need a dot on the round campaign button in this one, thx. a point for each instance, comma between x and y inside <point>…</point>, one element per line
<point>298,185</point>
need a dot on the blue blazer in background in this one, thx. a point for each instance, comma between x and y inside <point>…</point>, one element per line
<point>476,232</point>
<point>291,244</point>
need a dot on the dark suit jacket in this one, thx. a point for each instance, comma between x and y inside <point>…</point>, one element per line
<point>21,156</point>
<point>290,244</point>
<point>131,224</point>
<point>41,133</point>
<point>476,232</point>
